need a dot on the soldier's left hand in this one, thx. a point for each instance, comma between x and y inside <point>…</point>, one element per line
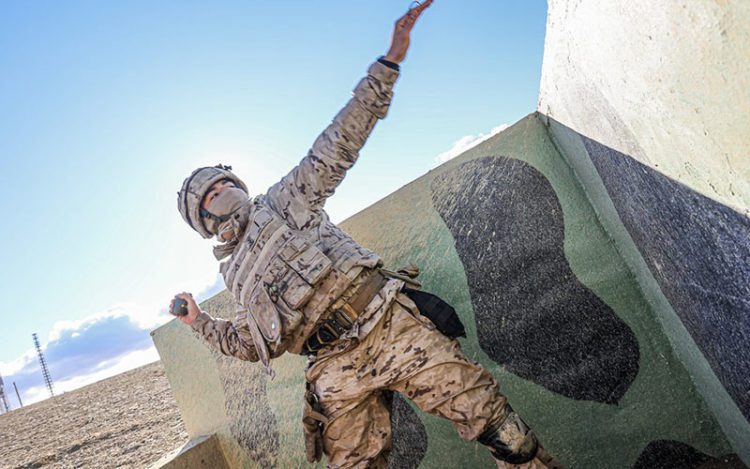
<point>402,32</point>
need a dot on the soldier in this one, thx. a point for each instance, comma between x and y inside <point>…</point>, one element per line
<point>304,286</point>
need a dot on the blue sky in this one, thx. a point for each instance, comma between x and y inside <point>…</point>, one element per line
<point>106,106</point>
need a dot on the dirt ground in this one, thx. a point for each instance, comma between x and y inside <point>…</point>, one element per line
<point>129,420</point>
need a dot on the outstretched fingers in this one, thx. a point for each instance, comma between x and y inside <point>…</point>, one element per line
<point>411,16</point>
<point>417,8</point>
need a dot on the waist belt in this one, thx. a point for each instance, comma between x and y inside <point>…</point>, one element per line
<point>342,319</point>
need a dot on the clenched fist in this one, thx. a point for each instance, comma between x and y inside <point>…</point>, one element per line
<point>192,308</point>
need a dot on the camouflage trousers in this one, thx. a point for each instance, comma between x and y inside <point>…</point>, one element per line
<point>404,353</point>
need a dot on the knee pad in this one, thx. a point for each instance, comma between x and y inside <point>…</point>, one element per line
<point>512,441</point>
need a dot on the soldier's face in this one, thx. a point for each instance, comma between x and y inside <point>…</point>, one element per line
<point>217,188</point>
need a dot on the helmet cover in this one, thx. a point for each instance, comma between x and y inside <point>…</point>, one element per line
<point>194,189</point>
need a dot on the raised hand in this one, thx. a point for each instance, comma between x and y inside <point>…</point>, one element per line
<point>402,31</point>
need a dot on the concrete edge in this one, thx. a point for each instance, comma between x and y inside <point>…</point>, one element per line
<point>733,423</point>
<point>201,452</point>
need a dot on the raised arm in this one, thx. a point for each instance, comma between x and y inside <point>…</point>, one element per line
<point>303,192</point>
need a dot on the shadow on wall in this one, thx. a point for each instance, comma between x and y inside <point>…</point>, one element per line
<point>251,419</point>
<point>698,250</point>
<point>667,454</point>
<point>536,319</point>
<point>503,213</point>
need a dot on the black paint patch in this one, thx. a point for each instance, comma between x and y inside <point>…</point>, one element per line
<point>698,251</point>
<point>409,440</point>
<point>669,454</point>
<point>533,315</point>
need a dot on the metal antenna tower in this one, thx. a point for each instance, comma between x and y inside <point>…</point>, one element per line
<point>43,363</point>
<point>4,407</point>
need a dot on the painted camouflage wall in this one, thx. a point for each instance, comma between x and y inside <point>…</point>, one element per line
<point>506,234</point>
<point>653,118</point>
<point>598,253</point>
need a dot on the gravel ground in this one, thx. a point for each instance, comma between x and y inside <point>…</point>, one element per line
<point>129,420</point>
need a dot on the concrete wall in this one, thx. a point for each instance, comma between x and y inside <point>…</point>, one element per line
<point>200,453</point>
<point>506,234</point>
<point>597,253</point>
<point>648,102</point>
<point>665,82</point>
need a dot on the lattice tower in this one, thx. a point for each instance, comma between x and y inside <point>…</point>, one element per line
<point>43,364</point>
<point>4,407</point>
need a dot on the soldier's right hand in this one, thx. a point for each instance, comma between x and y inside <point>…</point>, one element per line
<point>192,308</point>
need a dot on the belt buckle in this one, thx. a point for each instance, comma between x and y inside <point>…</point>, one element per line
<point>340,321</point>
<point>348,313</point>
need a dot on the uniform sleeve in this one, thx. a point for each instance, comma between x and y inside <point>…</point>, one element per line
<point>226,337</point>
<point>301,193</point>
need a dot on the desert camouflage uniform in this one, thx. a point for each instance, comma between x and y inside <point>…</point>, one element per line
<point>292,266</point>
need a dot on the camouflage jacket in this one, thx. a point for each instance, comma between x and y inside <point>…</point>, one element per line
<point>292,264</point>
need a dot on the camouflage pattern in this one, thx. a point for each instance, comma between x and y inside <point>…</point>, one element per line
<point>447,223</point>
<point>402,352</point>
<point>291,263</point>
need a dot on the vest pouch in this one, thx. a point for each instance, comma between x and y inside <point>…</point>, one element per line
<point>260,344</point>
<point>259,228</point>
<point>295,291</point>
<point>351,256</point>
<point>348,261</point>
<point>264,311</point>
<point>275,304</point>
<point>308,266</point>
<point>256,226</point>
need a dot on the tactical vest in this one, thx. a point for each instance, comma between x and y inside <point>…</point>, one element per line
<point>286,279</point>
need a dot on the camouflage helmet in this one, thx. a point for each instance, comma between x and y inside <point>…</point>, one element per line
<point>195,187</point>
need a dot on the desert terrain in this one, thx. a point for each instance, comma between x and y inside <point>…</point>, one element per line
<point>129,420</point>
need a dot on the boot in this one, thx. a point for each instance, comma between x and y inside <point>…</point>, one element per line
<point>547,459</point>
<point>542,460</point>
<point>514,445</point>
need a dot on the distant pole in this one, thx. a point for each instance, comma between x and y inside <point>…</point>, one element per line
<point>4,407</point>
<point>18,395</point>
<point>43,363</point>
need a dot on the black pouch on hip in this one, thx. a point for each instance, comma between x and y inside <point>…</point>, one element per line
<point>438,311</point>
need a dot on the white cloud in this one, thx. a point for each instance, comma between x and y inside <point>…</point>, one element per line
<point>466,142</point>
<point>16,365</point>
<point>145,316</point>
<point>106,370</point>
<point>84,351</point>
<point>101,345</point>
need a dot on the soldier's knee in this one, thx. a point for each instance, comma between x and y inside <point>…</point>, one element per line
<point>511,441</point>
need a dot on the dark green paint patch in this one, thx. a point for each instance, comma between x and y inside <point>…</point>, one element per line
<point>698,250</point>
<point>533,314</point>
